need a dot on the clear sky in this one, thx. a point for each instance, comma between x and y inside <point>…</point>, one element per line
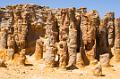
<point>102,6</point>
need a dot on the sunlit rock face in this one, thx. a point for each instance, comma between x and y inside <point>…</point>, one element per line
<point>64,38</point>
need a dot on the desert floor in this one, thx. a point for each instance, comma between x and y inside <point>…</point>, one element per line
<point>36,72</point>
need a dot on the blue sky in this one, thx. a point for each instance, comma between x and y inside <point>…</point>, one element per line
<point>102,6</point>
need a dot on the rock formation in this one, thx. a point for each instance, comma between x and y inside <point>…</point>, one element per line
<point>39,49</point>
<point>104,60</point>
<point>109,23</point>
<point>63,37</point>
<point>97,71</point>
<point>75,36</point>
<point>72,38</point>
<point>116,50</point>
<point>88,30</point>
<point>51,39</point>
<point>80,48</point>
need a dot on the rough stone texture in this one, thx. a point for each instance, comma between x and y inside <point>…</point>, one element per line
<point>116,50</point>
<point>62,51</point>
<point>97,71</point>
<point>3,38</point>
<point>117,33</point>
<point>11,46</point>
<point>79,60</point>
<point>104,60</point>
<point>51,39</point>
<point>78,37</point>
<point>109,22</point>
<point>102,39</point>
<point>39,49</point>
<point>110,28</point>
<point>63,37</point>
<point>80,47</point>
<point>88,30</point>
<point>72,38</point>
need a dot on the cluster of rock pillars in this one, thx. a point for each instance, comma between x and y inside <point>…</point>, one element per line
<point>63,37</point>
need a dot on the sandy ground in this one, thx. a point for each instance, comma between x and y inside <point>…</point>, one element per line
<point>35,72</point>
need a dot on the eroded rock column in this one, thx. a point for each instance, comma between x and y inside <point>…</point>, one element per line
<point>88,29</point>
<point>110,29</point>
<point>80,50</point>
<point>63,37</point>
<point>72,38</point>
<point>51,35</point>
<point>116,52</point>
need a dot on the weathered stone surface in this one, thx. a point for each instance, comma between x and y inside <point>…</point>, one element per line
<point>102,46</point>
<point>11,46</point>
<point>62,51</point>
<point>72,38</point>
<point>79,60</point>
<point>97,71</point>
<point>116,49</point>
<point>76,36</point>
<point>51,39</point>
<point>64,25</point>
<point>88,30</point>
<point>80,47</point>
<point>38,50</point>
<point>63,37</point>
<point>3,38</point>
<point>109,22</point>
<point>20,58</point>
<point>104,60</point>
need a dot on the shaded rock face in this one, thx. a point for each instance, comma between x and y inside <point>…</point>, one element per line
<point>75,36</point>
